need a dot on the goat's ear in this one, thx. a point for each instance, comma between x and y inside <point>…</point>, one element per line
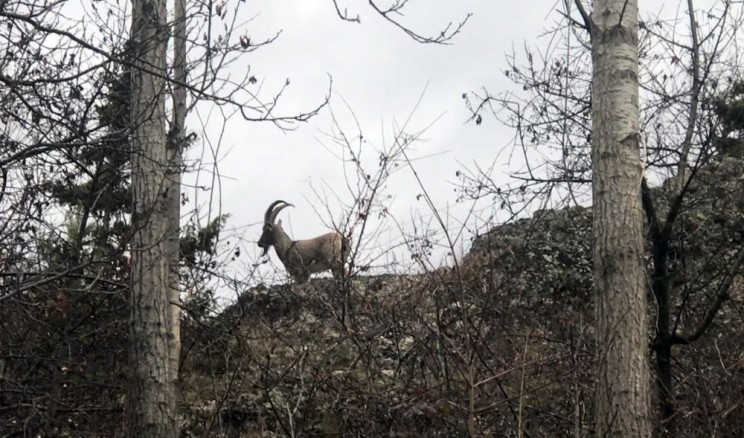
<point>279,223</point>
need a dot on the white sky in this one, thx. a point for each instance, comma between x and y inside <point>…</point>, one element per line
<point>381,73</point>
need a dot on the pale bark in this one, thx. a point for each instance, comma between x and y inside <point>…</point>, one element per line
<point>622,398</point>
<point>176,144</point>
<point>151,410</point>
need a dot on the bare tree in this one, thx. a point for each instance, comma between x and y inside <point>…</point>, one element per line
<point>622,398</point>
<point>393,13</point>
<point>65,221</point>
<point>177,143</point>
<point>689,64</point>
<point>152,386</point>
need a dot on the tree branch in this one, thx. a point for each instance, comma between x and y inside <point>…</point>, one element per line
<point>721,296</point>
<point>345,15</point>
<point>443,37</point>
<point>694,97</point>
<point>584,15</point>
<point>199,91</point>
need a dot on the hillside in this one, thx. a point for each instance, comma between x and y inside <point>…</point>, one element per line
<point>503,343</point>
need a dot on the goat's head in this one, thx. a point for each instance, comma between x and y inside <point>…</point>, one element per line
<point>270,228</point>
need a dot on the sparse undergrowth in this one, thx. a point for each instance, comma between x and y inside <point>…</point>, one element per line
<point>502,344</point>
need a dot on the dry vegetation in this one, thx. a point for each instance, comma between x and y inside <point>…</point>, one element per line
<point>502,346</point>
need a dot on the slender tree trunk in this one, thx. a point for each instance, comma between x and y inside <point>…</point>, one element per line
<point>664,387</point>
<point>151,408</point>
<point>663,343</point>
<point>692,118</point>
<point>176,144</point>
<point>622,399</point>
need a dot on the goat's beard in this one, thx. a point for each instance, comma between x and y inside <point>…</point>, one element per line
<point>265,251</point>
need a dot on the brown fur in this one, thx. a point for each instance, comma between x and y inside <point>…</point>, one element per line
<point>303,257</point>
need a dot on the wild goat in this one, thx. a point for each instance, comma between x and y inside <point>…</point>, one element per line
<point>302,257</point>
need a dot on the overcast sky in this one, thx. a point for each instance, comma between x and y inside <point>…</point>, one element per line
<point>381,73</point>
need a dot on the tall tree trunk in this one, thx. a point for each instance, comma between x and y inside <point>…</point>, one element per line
<point>152,392</point>
<point>176,144</point>
<point>622,399</point>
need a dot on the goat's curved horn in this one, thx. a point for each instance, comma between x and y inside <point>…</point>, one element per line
<point>267,215</point>
<point>278,209</point>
